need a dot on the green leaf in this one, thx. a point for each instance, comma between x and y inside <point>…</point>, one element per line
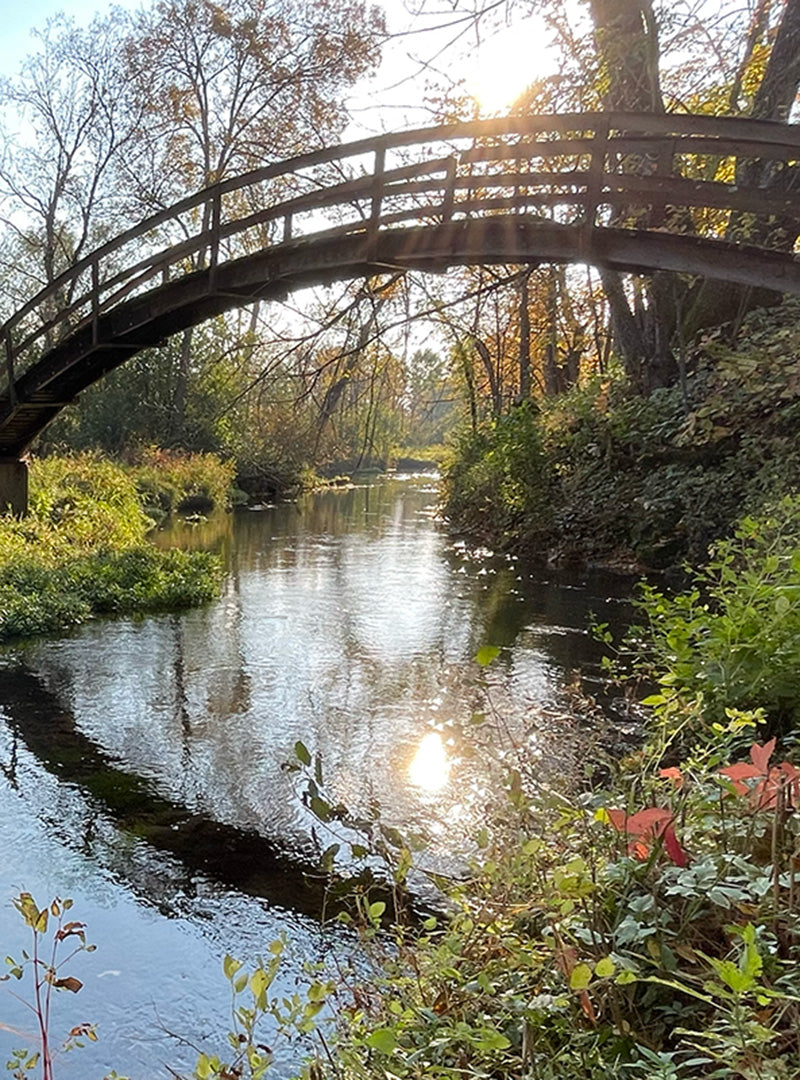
<point>302,754</point>
<point>492,1040</point>
<point>486,655</point>
<point>383,1040</point>
<point>376,910</point>
<point>605,968</point>
<point>202,1069</point>
<point>230,966</point>
<point>319,808</point>
<point>581,977</point>
<point>258,983</point>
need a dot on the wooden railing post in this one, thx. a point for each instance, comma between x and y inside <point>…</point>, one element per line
<point>449,189</point>
<point>12,388</point>
<point>594,182</point>
<point>377,189</point>
<point>95,300</point>
<point>216,219</point>
<point>287,228</point>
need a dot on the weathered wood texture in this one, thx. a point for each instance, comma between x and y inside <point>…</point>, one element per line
<point>625,192</point>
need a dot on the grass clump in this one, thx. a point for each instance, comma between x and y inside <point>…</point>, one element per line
<point>170,481</point>
<point>82,551</point>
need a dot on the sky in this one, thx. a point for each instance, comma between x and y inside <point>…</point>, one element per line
<point>495,70</point>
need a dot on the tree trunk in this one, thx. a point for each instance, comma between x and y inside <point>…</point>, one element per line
<point>708,304</point>
<point>524,339</point>
<point>178,413</point>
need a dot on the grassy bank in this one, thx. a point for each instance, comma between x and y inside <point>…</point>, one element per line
<point>82,550</point>
<point>603,475</point>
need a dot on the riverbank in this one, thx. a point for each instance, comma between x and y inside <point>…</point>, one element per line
<point>602,476</point>
<point>647,925</point>
<point>82,550</point>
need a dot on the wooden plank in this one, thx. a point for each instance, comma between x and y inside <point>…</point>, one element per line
<point>699,193</point>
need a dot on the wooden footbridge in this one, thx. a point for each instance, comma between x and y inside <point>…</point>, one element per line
<point>626,192</point>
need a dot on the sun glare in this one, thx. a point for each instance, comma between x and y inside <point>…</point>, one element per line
<point>504,65</point>
<point>430,768</point>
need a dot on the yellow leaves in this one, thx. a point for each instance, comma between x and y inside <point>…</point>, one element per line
<point>754,72</point>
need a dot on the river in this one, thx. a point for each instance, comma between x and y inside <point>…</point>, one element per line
<point>143,762</point>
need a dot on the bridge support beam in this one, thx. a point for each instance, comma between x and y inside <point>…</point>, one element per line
<point>13,486</point>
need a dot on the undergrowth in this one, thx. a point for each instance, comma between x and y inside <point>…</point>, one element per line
<point>641,480</point>
<point>648,926</point>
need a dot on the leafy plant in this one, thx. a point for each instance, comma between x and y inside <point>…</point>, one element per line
<point>250,1006</point>
<point>731,640</point>
<point>46,973</point>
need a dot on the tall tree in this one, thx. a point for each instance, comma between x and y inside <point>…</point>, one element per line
<point>66,121</point>
<point>234,85</point>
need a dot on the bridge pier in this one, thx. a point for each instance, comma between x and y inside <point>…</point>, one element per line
<point>13,486</point>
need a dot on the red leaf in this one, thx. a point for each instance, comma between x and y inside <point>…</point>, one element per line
<point>639,850</point>
<point>566,958</point>
<point>644,822</point>
<point>588,1008</point>
<point>760,755</point>
<point>618,819</point>
<point>673,848</point>
<point>740,772</point>
<point>792,782</point>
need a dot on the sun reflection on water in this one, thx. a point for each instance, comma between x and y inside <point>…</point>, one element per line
<point>430,767</point>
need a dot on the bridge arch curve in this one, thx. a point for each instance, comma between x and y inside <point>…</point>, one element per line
<point>604,189</point>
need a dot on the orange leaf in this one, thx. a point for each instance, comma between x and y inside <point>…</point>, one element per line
<point>674,774</point>
<point>639,850</point>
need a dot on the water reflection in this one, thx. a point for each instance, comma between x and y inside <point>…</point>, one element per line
<point>154,749</point>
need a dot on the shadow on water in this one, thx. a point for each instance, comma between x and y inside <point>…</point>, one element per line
<point>236,858</point>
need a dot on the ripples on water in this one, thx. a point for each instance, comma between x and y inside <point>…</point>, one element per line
<point>143,760</point>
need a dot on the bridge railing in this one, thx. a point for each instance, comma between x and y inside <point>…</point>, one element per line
<point>582,170</point>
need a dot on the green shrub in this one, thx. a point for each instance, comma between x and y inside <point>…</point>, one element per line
<point>498,483</point>
<point>732,639</point>
<point>169,481</point>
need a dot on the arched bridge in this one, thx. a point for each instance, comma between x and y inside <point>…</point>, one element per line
<point>621,191</point>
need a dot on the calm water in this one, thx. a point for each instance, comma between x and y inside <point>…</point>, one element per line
<point>143,762</point>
